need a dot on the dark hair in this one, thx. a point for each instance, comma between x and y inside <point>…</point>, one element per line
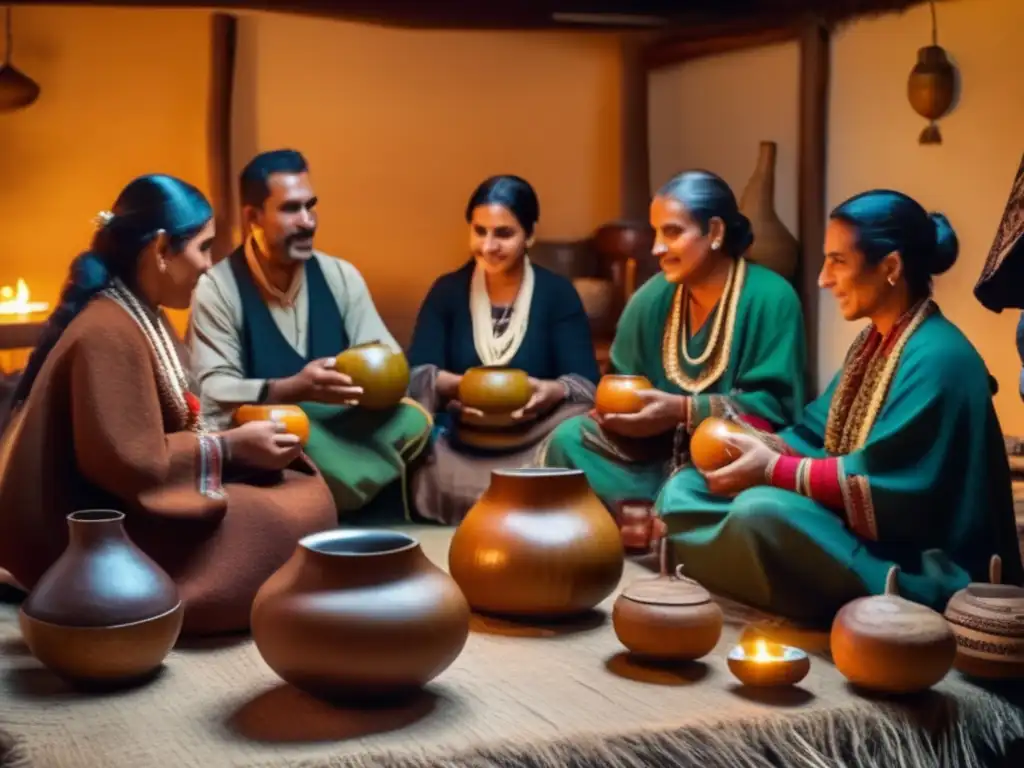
<point>705,196</point>
<point>512,192</point>
<point>148,205</point>
<point>888,221</point>
<point>253,181</point>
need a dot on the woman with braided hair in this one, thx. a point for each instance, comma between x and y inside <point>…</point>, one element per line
<point>105,416</point>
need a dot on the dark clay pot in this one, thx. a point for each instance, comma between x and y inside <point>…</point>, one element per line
<point>104,613</point>
<point>359,614</point>
<point>538,543</point>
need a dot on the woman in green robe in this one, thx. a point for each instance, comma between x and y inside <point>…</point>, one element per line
<point>901,461</point>
<point>713,333</point>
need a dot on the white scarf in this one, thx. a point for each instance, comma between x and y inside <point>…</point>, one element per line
<point>498,350</point>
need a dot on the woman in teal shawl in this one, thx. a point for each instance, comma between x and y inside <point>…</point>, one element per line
<point>901,461</point>
<point>713,333</point>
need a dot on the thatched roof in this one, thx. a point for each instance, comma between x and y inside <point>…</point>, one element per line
<point>555,14</point>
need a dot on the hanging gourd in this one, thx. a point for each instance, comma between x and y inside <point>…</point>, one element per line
<point>930,88</point>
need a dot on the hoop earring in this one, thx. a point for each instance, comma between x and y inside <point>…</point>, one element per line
<point>891,281</point>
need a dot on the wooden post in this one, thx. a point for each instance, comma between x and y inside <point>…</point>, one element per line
<point>811,189</point>
<point>223,41</point>
<point>635,184</point>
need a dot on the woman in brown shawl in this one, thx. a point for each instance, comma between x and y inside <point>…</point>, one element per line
<point>496,310</point>
<point>105,416</point>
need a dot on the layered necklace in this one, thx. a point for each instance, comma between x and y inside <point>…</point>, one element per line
<point>715,358</point>
<point>868,372</point>
<point>173,379</point>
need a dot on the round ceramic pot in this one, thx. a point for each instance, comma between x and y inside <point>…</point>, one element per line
<point>104,614</point>
<point>359,614</point>
<point>495,390</point>
<point>292,417</point>
<point>382,372</point>
<point>888,644</point>
<point>616,393</point>
<point>709,449</point>
<point>988,622</point>
<point>538,543</point>
<point>670,618</point>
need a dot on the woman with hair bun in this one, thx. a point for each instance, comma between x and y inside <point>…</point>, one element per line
<point>900,462</point>
<point>498,309</point>
<point>715,335</point>
<point>106,416</point>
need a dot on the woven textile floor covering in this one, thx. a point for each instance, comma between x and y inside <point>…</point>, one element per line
<point>517,697</point>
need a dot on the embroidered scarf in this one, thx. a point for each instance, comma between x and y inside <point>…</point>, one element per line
<point>500,348</point>
<point>867,374</point>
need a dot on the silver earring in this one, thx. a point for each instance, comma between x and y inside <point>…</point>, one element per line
<point>715,245</point>
<point>892,281</point>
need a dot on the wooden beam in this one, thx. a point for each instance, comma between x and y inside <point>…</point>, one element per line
<point>670,51</point>
<point>811,179</point>
<point>223,43</point>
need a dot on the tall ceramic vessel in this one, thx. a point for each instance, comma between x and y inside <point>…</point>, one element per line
<point>538,543</point>
<point>104,614</point>
<point>774,245</point>
<point>359,614</point>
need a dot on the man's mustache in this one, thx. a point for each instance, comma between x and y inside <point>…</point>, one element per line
<point>302,234</point>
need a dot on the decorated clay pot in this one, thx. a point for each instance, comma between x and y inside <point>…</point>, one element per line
<point>538,543</point>
<point>709,449</point>
<point>495,390</point>
<point>888,644</point>
<point>616,393</point>
<point>381,371</point>
<point>294,419</point>
<point>669,617</point>
<point>359,614</point>
<point>104,614</point>
<point>988,622</point>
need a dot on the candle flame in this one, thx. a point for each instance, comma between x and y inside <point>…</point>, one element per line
<point>16,301</point>
<point>761,652</point>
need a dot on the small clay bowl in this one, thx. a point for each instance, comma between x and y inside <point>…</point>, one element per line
<point>787,666</point>
<point>709,449</point>
<point>496,391</point>
<point>294,419</point>
<point>103,657</point>
<point>616,393</point>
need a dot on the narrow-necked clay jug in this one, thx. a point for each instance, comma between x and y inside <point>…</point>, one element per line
<point>774,245</point>
<point>988,621</point>
<point>538,543</point>
<point>359,615</point>
<point>889,644</point>
<point>669,617</point>
<point>104,613</point>
<point>381,371</point>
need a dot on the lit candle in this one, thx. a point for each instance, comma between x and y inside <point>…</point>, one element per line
<point>773,665</point>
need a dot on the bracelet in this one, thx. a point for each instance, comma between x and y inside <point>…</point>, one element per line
<point>224,450</point>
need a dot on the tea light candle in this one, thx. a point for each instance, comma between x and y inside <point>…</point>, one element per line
<point>770,664</point>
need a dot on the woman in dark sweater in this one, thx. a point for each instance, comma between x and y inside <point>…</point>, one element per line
<point>497,310</point>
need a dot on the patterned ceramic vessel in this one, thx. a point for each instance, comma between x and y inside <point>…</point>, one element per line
<point>988,621</point>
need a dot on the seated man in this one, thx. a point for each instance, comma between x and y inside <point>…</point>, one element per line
<point>267,323</point>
